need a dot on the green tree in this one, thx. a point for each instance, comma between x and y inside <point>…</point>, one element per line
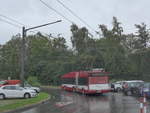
<point>10,58</point>
<point>143,36</point>
<point>79,38</point>
<point>112,48</point>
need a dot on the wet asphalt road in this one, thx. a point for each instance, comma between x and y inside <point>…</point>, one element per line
<point>68,102</point>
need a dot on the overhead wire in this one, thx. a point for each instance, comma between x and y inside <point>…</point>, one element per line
<point>15,21</point>
<point>10,23</point>
<point>73,13</point>
<point>4,16</point>
<point>51,8</point>
<point>48,6</point>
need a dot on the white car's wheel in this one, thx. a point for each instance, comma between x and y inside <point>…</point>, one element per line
<point>2,96</point>
<point>27,95</point>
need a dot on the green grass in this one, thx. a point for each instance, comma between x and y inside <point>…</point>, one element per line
<point>11,104</point>
<point>52,87</point>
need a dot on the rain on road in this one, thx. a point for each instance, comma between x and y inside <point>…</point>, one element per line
<point>68,102</point>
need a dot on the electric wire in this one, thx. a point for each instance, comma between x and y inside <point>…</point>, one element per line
<point>15,21</point>
<point>15,25</point>
<point>12,20</point>
<point>51,8</point>
<point>73,13</point>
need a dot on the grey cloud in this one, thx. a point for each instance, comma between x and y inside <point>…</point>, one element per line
<point>94,12</point>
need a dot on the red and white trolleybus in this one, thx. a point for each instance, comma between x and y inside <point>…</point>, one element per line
<point>87,82</point>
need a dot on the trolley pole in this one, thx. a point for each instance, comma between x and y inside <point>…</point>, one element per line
<point>24,32</point>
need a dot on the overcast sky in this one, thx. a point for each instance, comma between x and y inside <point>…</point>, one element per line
<point>94,12</point>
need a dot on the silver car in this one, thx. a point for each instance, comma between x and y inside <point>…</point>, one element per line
<point>15,91</point>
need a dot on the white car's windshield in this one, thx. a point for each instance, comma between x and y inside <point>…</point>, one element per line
<point>19,88</point>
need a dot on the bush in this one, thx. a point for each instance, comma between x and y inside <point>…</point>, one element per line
<point>33,81</point>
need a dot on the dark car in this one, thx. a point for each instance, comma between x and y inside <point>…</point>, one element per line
<point>145,90</point>
<point>132,87</point>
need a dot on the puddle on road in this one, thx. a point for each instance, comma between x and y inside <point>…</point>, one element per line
<point>68,102</point>
<point>62,104</point>
<point>31,111</point>
<point>110,103</point>
<point>65,99</point>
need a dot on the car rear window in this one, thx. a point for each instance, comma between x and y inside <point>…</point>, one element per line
<point>135,84</point>
<point>147,85</point>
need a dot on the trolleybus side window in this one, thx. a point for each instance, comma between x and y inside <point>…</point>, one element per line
<point>83,81</point>
<point>68,80</point>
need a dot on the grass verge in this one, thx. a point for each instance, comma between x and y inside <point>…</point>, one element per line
<point>12,104</point>
<point>52,87</point>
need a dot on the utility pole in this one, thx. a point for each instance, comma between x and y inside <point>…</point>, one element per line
<point>23,56</point>
<point>24,32</point>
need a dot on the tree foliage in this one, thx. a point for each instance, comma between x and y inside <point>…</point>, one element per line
<point>126,56</point>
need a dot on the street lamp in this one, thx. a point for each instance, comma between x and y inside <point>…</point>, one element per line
<point>24,32</point>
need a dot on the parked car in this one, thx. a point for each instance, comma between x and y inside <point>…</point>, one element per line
<point>2,82</point>
<point>28,86</point>
<point>130,87</point>
<point>13,82</point>
<point>15,91</point>
<point>117,86</point>
<point>9,82</point>
<point>145,90</point>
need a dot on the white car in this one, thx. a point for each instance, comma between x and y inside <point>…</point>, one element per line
<point>15,91</point>
<point>28,86</point>
<point>117,86</point>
